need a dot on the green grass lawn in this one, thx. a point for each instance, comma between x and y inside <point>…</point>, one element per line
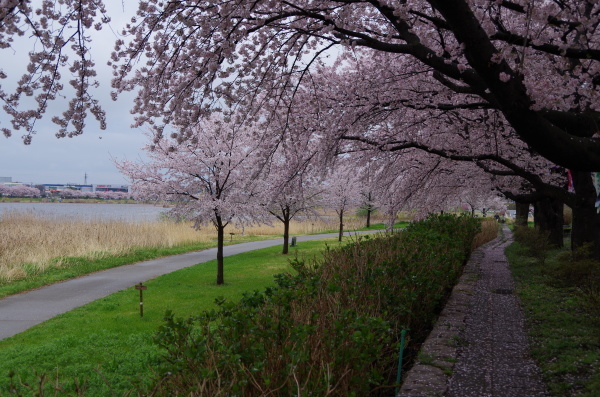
<point>75,266</point>
<point>107,346</point>
<point>565,336</point>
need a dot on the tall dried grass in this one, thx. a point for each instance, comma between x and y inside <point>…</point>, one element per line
<point>33,241</point>
<point>308,226</point>
<point>489,231</point>
<point>30,242</point>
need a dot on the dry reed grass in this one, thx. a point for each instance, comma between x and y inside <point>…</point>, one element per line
<point>317,225</point>
<point>31,243</point>
<point>489,231</point>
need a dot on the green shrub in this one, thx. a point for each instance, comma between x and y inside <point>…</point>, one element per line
<point>534,241</point>
<point>578,269</point>
<point>332,329</point>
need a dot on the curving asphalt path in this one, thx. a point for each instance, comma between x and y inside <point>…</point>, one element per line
<point>22,311</point>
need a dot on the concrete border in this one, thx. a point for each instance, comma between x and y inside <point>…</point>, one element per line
<point>433,368</point>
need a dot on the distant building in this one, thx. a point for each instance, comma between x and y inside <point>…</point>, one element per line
<point>53,188</point>
<point>83,188</point>
<point>56,188</point>
<point>111,188</point>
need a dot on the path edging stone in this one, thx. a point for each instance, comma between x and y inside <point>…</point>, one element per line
<point>433,366</point>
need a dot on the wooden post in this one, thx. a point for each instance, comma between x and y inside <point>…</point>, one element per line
<point>141,287</point>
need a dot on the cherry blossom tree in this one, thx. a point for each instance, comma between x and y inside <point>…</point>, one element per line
<point>19,191</point>
<point>422,183</point>
<point>342,192</point>
<point>381,119</point>
<point>59,35</point>
<point>482,198</point>
<point>289,187</point>
<point>70,193</point>
<point>530,67</point>
<point>368,200</point>
<point>368,205</point>
<point>290,199</point>
<point>110,195</point>
<point>498,54</point>
<point>208,176</point>
<point>490,54</point>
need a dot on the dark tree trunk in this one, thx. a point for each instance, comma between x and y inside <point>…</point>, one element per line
<point>548,218</point>
<point>341,225</point>
<point>586,221</point>
<point>220,240</point>
<point>286,235</point>
<point>369,208</point>
<point>522,213</point>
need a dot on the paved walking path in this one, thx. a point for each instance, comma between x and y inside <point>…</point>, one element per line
<point>479,346</point>
<point>22,311</point>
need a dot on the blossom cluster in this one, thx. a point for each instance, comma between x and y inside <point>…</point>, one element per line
<point>19,191</point>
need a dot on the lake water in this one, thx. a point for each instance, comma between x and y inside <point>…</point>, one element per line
<point>103,212</point>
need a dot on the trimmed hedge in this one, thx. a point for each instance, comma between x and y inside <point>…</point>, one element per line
<point>332,329</point>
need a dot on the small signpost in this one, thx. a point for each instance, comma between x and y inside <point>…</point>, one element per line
<point>141,288</point>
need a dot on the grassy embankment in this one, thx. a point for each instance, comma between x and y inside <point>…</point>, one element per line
<point>561,300</point>
<point>110,344</point>
<point>107,343</point>
<point>36,251</point>
<point>107,346</point>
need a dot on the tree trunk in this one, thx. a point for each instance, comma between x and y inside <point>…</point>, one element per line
<point>522,214</point>
<point>286,235</point>
<point>369,208</point>
<point>586,221</point>
<point>220,240</point>
<point>341,225</point>
<point>548,218</point>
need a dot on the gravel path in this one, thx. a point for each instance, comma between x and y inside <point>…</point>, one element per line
<point>479,346</point>
<point>495,360</point>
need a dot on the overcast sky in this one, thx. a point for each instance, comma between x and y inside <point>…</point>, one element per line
<point>67,160</point>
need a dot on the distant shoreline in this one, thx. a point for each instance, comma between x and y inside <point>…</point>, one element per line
<point>78,201</point>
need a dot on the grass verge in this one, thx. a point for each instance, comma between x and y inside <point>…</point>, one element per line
<point>565,337</point>
<point>103,348</point>
<point>72,267</point>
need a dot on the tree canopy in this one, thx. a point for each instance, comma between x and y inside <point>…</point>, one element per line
<point>534,62</point>
<point>508,87</point>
